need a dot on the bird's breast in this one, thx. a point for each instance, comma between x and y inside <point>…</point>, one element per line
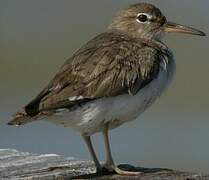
<point>128,107</point>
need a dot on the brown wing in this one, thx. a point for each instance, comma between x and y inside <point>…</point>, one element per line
<point>108,65</point>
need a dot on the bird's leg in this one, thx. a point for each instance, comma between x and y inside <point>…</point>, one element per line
<point>88,142</point>
<point>110,165</point>
<point>109,160</point>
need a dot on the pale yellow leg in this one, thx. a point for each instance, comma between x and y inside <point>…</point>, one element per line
<point>88,142</point>
<point>109,165</point>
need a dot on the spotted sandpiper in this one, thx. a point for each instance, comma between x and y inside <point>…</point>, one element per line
<point>110,80</point>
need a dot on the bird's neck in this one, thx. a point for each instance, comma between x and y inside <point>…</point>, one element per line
<point>153,41</point>
<point>157,44</point>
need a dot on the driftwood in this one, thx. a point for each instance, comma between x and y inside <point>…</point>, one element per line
<point>18,165</point>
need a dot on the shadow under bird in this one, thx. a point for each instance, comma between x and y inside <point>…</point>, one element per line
<point>110,80</point>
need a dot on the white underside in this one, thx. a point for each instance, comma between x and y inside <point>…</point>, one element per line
<point>91,117</point>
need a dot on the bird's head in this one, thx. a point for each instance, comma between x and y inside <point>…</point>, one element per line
<point>144,20</point>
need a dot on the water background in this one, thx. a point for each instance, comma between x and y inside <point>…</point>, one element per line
<point>36,37</point>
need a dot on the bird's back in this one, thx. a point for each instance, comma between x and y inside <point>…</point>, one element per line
<point>109,65</point>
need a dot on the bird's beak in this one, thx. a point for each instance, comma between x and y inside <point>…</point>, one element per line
<point>171,27</point>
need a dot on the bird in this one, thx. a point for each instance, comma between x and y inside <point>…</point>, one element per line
<point>110,80</point>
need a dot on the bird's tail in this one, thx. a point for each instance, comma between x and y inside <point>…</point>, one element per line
<point>20,118</point>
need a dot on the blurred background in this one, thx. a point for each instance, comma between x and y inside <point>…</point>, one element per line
<point>36,37</point>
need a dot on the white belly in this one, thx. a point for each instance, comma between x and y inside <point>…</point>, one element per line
<point>91,117</point>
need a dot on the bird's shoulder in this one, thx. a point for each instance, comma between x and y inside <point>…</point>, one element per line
<point>110,64</point>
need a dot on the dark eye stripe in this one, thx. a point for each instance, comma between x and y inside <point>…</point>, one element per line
<point>152,20</point>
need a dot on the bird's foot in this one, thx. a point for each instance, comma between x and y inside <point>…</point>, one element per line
<point>113,168</point>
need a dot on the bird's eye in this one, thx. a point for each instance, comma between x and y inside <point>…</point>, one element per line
<point>142,18</point>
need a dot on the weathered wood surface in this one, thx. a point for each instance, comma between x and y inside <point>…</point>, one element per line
<point>22,166</point>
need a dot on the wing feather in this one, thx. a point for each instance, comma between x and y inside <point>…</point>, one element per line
<point>108,65</point>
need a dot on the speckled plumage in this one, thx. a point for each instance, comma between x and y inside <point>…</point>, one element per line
<point>110,80</point>
<point>109,65</point>
<point>118,61</point>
